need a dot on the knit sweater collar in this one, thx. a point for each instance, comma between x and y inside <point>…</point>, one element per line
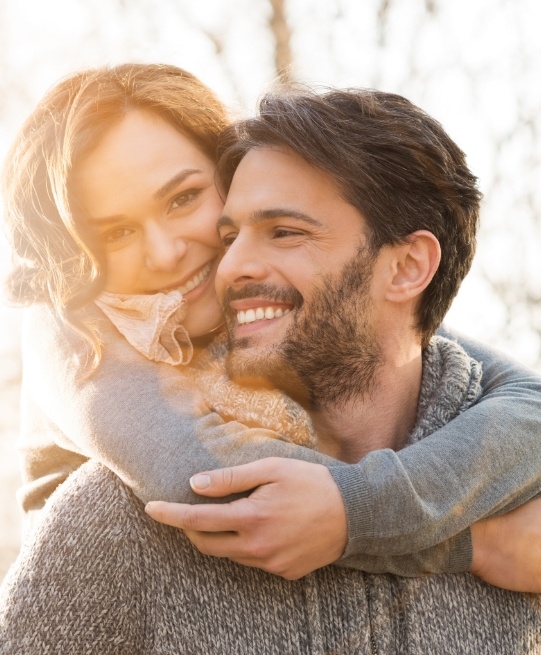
<point>451,383</point>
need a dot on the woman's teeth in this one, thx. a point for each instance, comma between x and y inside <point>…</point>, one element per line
<point>196,280</point>
<point>260,313</point>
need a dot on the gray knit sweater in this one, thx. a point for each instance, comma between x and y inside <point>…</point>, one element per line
<point>100,577</point>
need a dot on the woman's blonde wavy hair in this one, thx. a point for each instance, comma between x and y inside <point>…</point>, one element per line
<point>56,261</point>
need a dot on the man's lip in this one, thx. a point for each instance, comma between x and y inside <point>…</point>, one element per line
<point>253,303</point>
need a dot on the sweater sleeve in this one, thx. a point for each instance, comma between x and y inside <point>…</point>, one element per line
<point>484,462</point>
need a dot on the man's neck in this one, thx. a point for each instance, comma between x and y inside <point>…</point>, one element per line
<point>381,419</point>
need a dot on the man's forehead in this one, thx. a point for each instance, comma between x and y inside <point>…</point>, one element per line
<point>269,178</point>
<point>279,189</point>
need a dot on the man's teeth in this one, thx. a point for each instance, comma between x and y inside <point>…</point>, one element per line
<point>260,313</point>
<point>196,280</point>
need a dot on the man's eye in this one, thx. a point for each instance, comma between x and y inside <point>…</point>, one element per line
<point>185,198</point>
<point>283,232</point>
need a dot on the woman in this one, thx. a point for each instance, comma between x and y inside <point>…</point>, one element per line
<point>111,206</point>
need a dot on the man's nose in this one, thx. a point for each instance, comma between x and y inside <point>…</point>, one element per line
<point>242,262</point>
<point>163,249</point>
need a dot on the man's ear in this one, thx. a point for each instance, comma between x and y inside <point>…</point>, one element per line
<point>414,265</point>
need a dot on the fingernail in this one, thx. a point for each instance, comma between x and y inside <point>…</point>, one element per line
<point>199,482</point>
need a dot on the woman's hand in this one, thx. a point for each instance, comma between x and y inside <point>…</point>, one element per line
<point>292,523</point>
<point>507,549</point>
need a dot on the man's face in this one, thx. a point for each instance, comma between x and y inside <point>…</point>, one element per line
<point>296,281</point>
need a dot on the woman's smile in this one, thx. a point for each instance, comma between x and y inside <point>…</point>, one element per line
<point>193,283</point>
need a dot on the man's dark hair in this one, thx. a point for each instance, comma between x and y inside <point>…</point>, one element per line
<point>390,160</point>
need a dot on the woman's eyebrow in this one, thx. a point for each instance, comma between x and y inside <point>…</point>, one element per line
<point>175,181</point>
<point>163,191</point>
<point>105,220</point>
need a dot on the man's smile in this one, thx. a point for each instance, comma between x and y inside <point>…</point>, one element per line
<point>259,303</point>
<point>260,314</point>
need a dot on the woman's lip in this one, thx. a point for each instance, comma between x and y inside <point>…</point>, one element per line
<point>177,285</point>
<point>195,294</point>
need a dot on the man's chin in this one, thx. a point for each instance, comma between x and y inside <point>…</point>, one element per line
<point>248,367</point>
<point>264,370</point>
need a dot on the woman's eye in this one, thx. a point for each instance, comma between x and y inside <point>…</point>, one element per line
<point>185,198</point>
<point>227,239</point>
<point>116,235</point>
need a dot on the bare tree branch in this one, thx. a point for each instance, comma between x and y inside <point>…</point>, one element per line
<point>383,16</point>
<point>281,33</point>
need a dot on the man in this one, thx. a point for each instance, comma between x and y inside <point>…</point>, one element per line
<point>325,342</point>
<point>311,230</point>
<point>302,242</point>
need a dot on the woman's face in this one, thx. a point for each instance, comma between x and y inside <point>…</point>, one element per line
<point>148,193</point>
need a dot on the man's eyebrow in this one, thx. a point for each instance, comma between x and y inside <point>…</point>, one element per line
<point>157,195</point>
<point>262,215</point>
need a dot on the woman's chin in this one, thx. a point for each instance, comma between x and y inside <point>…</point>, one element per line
<point>204,323</point>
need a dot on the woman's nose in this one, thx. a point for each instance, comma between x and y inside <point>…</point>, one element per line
<point>163,250</point>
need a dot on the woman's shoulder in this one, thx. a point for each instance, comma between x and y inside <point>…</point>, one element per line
<point>58,355</point>
<point>45,314</point>
<point>46,334</point>
<point>47,339</point>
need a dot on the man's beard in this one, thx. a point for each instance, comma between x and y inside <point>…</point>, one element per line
<point>329,354</point>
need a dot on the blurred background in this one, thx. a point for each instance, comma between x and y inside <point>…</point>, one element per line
<point>475,66</point>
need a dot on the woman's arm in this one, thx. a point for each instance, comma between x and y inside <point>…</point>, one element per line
<point>146,421</point>
<point>485,462</point>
